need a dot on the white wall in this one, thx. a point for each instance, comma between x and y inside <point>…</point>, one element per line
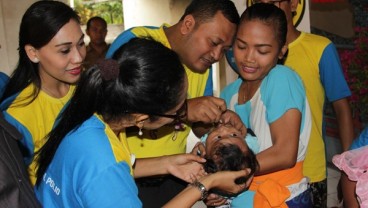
<point>11,14</point>
<point>4,60</point>
<point>152,13</point>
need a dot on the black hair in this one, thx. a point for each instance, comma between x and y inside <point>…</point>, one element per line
<point>205,10</point>
<point>151,79</point>
<point>40,23</point>
<point>231,157</point>
<point>270,15</point>
<point>96,18</point>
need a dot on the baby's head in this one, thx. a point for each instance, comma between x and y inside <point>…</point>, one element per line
<point>226,149</point>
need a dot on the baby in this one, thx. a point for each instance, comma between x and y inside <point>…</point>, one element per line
<point>226,149</point>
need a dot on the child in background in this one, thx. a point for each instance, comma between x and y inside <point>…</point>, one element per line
<point>354,163</point>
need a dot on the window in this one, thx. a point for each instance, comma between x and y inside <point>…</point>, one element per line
<point>110,10</point>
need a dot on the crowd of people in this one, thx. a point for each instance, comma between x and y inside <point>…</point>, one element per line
<point>107,125</point>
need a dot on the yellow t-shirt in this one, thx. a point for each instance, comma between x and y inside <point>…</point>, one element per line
<point>119,145</point>
<point>35,120</point>
<point>303,57</point>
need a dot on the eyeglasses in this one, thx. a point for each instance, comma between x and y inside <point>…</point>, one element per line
<point>274,2</point>
<point>179,116</point>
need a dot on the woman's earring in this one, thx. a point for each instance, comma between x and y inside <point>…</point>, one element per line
<point>140,126</point>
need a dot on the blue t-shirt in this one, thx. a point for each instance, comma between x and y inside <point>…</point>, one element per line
<point>91,168</point>
<point>281,90</point>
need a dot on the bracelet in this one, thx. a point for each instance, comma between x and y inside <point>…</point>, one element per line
<point>201,188</point>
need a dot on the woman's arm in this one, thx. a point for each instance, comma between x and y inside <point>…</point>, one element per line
<point>181,166</point>
<point>285,138</point>
<point>223,180</point>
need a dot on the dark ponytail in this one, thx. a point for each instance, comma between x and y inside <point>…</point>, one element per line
<point>147,78</point>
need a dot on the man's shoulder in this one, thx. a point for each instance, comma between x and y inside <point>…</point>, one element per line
<point>141,31</point>
<point>151,32</point>
<point>311,45</point>
<point>316,39</point>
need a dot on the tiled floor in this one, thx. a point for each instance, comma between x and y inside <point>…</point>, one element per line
<point>333,177</point>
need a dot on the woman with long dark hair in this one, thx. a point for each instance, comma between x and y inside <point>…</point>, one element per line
<point>51,53</point>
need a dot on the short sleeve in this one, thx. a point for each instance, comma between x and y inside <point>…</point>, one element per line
<point>332,76</point>
<point>114,187</point>
<point>208,91</point>
<point>282,90</point>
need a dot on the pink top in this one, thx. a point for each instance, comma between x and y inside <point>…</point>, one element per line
<point>355,164</point>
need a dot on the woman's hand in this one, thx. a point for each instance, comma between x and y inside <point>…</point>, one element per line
<point>225,181</point>
<point>216,200</point>
<point>185,166</point>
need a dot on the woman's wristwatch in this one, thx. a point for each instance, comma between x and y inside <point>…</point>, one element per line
<point>201,188</point>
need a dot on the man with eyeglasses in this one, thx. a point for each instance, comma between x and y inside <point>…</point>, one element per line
<point>316,60</point>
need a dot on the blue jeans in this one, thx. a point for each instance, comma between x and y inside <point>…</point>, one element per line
<point>303,200</point>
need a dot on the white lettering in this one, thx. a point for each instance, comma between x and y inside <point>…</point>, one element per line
<point>50,182</point>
